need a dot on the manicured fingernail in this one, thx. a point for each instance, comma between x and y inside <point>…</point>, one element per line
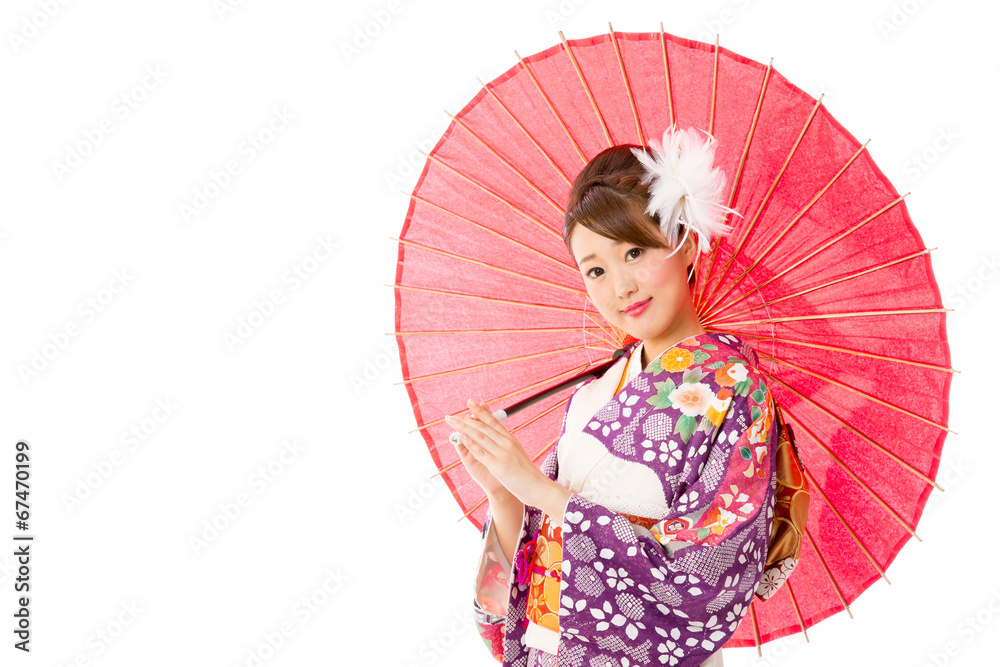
<point>449,419</point>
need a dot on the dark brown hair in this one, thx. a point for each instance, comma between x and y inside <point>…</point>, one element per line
<point>609,198</point>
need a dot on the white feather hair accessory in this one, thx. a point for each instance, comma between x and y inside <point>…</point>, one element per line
<point>686,189</point>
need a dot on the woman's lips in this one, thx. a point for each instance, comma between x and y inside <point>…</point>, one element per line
<point>636,309</point>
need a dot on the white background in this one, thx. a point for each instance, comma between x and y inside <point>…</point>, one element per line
<point>356,500</point>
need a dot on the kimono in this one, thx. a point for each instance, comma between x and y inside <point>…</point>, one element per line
<point>665,534</point>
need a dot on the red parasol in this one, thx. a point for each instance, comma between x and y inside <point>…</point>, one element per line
<point>824,274</point>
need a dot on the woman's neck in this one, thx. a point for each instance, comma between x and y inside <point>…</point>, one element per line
<point>686,325</point>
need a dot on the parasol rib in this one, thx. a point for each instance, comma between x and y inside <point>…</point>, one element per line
<point>538,252</point>
<point>494,299</point>
<point>507,163</point>
<point>715,84</point>
<point>760,208</point>
<point>860,393</point>
<point>511,272</point>
<point>579,73</point>
<point>616,335</point>
<point>844,350</point>
<point>552,108</point>
<point>628,87</point>
<point>611,345</point>
<point>756,631</point>
<point>858,274</point>
<point>830,316</point>
<point>738,179</point>
<point>666,72</point>
<point>811,254</point>
<point>871,492</point>
<point>526,132</point>
<point>554,379</point>
<point>795,605</point>
<point>844,523</point>
<point>496,196</point>
<point>798,216</point>
<point>487,364</point>
<point>829,573</point>
<point>857,432</point>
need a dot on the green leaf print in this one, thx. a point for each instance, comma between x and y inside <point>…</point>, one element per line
<point>661,399</point>
<point>686,426</point>
<point>742,388</point>
<point>709,346</point>
<point>716,366</point>
<point>703,533</point>
<point>701,357</point>
<point>745,452</point>
<point>693,375</point>
<point>755,413</point>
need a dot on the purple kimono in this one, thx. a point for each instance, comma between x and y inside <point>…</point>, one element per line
<point>700,420</point>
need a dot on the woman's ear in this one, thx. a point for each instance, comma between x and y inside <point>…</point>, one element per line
<point>690,249</point>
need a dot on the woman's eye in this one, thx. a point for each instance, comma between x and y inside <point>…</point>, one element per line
<point>590,273</point>
<point>639,250</point>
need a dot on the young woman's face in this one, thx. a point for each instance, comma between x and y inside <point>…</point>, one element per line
<point>618,274</point>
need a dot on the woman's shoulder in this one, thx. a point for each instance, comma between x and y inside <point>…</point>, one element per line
<point>737,346</point>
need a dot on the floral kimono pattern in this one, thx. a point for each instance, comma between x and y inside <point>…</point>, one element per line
<point>701,417</point>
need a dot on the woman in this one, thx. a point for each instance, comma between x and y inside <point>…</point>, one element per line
<point>643,537</point>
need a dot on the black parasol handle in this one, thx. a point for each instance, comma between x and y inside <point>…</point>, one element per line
<point>531,400</point>
<point>456,437</point>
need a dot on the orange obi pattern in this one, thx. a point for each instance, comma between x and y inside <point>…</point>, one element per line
<point>544,554</point>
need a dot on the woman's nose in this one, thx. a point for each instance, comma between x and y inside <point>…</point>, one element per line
<point>624,285</point>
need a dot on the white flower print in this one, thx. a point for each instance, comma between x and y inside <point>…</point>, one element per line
<point>734,616</point>
<point>738,372</point>
<point>691,398</point>
<point>709,625</point>
<point>629,401</point>
<point>619,579</point>
<point>689,498</point>
<point>667,450</point>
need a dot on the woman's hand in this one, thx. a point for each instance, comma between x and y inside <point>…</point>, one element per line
<point>495,458</point>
